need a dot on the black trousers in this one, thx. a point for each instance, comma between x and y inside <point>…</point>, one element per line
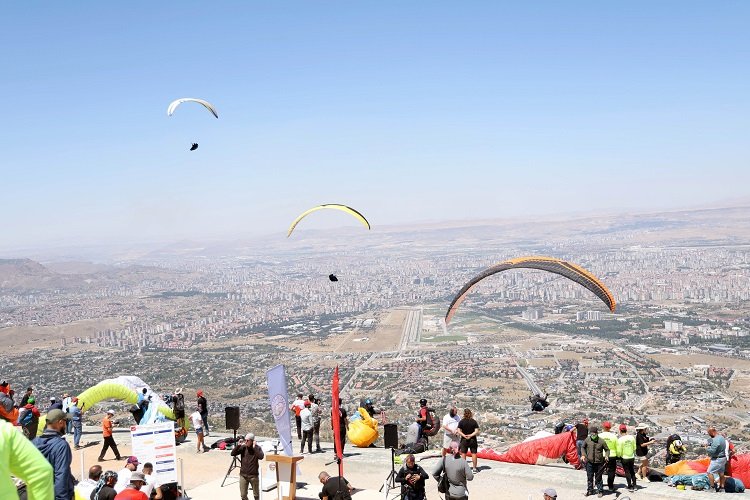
<point>316,433</point>
<point>204,416</point>
<point>342,433</point>
<point>298,420</point>
<point>306,436</point>
<point>594,477</point>
<point>409,494</point>
<point>611,470</point>
<point>629,465</point>
<point>109,442</point>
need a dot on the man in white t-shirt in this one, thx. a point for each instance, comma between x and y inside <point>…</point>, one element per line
<point>297,407</point>
<point>85,487</point>
<point>151,483</point>
<point>450,426</point>
<point>123,476</point>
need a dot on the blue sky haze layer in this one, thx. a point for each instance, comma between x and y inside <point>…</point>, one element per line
<point>408,111</point>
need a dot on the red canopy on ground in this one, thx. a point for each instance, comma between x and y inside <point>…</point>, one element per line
<point>538,451</point>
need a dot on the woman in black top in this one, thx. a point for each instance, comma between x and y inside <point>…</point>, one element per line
<point>642,442</point>
<point>468,429</point>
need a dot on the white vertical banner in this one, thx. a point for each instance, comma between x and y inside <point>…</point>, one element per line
<point>278,397</point>
<point>155,443</point>
<point>279,400</point>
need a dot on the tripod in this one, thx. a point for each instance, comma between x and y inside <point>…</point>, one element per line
<point>390,481</point>
<point>236,461</point>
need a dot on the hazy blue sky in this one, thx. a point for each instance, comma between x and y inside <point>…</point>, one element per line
<point>406,110</point>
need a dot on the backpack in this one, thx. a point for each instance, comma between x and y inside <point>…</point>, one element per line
<point>443,480</point>
<point>179,402</point>
<point>26,418</point>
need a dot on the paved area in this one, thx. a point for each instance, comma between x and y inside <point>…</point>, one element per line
<point>368,468</point>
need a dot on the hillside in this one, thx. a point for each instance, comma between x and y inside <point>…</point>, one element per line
<point>26,275</point>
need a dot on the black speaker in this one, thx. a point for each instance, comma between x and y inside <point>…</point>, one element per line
<point>232,414</point>
<point>390,435</point>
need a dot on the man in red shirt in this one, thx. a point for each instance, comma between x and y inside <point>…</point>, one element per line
<point>422,416</point>
<point>109,441</point>
<point>133,490</point>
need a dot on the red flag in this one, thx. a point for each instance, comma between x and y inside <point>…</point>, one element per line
<point>336,418</point>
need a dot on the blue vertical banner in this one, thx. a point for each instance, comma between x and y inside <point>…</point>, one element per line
<point>278,397</point>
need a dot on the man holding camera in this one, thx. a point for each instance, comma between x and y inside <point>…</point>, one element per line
<point>412,478</point>
<point>250,454</point>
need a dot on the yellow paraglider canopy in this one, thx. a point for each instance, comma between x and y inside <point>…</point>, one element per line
<point>333,206</point>
<point>363,432</point>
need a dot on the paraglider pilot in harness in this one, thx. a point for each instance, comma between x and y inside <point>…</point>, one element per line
<point>675,449</point>
<point>422,417</point>
<point>538,402</point>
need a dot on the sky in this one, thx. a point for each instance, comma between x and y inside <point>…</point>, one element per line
<point>408,111</point>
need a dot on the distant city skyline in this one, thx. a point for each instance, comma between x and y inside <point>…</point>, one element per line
<point>409,112</point>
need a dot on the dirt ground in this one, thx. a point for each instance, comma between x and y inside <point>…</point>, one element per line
<point>542,362</point>
<point>676,361</point>
<point>386,336</point>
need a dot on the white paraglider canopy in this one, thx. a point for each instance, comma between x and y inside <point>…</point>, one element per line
<point>174,104</point>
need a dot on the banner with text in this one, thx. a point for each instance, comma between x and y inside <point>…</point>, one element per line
<point>155,443</point>
<point>279,400</point>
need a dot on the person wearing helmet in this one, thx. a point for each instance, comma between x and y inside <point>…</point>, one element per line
<point>675,449</point>
<point>370,408</point>
<point>422,416</point>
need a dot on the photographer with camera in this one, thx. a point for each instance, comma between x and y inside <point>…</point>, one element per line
<point>412,478</point>
<point>250,454</point>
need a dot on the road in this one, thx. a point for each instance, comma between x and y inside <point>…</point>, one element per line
<point>529,379</point>
<point>411,331</point>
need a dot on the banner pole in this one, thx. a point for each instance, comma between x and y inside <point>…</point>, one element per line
<point>182,479</point>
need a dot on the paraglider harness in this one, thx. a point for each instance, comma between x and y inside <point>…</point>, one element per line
<point>431,425</point>
<point>179,403</point>
<point>414,448</point>
<point>671,456</point>
<point>538,403</point>
<point>27,417</point>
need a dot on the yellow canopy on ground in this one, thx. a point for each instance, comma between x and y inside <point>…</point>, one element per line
<point>363,432</point>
